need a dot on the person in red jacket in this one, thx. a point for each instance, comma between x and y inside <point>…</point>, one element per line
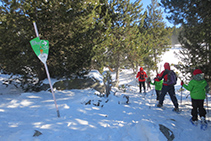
<point>141,75</point>
<point>167,88</point>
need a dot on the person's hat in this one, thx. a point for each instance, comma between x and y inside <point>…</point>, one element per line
<point>167,66</point>
<point>197,71</point>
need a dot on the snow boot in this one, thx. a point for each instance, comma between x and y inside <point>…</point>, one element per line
<point>203,123</point>
<point>176,110</point>
<point>159,105</point>
<point>194,122</point>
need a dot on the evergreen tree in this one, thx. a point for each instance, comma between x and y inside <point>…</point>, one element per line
<point>123,34</point>
<point>121,39</point>
<point>99,60</point>
<point>159,35</point>
<point>194,16</point>
<point>70,27</point>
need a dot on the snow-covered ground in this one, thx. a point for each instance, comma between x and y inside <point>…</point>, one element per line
<point>86,116</point>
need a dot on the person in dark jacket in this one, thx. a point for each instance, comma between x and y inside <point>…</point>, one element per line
<point>167,88</point>
<point>141,75</point>
<point>198,88</point>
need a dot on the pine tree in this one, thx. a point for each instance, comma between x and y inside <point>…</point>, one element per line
<point>123,34</point>
<point>159,35</point>
<point>121,37</point>
<point>69,26</point>
<point>103,25</point>
<point>194,16</point>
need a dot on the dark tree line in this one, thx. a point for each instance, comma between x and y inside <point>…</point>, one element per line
<point>82,34</point>
<point>70,27</point>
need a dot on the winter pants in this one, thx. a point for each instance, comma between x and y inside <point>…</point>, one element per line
<point>171,92</point>
<point>148,86</point>
<point>198,107</point>
<point>158,93</point>
<point>142,84</point>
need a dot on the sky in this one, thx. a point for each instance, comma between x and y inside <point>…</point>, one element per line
<point>32,116</point>
<point>148,2</point>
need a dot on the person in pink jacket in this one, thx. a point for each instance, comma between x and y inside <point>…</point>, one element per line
<point>141,75</point>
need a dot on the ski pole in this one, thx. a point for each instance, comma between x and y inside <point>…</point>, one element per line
<point>187,96</point>
<point>151,99</point>
<point>181,96</point>
<point>181,90</point>
<point>207,106</point>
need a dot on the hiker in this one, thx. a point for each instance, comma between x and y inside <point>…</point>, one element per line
<point>141,75</point>
<point>158,86</point>
<point>167,88</point>
<point>148,80</point>
<point>198,88</point>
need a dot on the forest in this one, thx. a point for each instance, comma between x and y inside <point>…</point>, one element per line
<point>93,34</point>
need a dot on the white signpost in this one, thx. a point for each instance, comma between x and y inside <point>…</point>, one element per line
<point>41,48</point>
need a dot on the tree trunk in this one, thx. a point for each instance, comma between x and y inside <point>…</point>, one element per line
<point>155,56</point>
<point>117,70</point>
<point>137,67</point>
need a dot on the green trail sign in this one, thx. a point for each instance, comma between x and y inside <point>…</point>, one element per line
<point>41,48</point>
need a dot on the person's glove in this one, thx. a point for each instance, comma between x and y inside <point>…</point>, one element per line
<point>182,83</point>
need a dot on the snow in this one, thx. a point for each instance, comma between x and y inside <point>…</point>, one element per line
<point>106,119</point>
<point>96,74</point>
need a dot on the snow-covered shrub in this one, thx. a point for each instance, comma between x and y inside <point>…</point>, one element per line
<point>28,82</point>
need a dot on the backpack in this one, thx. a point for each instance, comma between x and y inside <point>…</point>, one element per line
<point>142,76</point>
<point>171,78</point>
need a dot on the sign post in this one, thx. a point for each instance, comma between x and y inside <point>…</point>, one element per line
<point>41,48</point>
